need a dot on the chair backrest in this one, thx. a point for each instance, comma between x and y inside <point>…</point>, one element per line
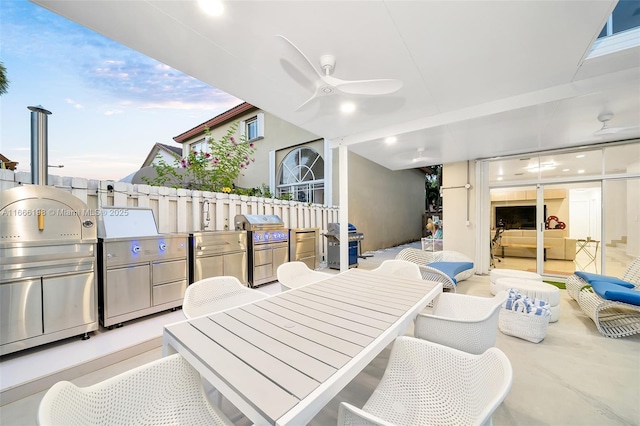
<point>632,273</point>
<point>422,258</point>
<point>463,307</point>
<point>297,274</point>
<point>216,294</point>
<point>416,256</point>
<point>435,384</point>
<point>399,268</point>
<point>154,393</point>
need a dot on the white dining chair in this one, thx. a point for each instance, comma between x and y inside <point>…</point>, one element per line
<point>429,384</point>
<point>467,323</point>
<point>399,268</point>
<point>297,274</point>
<point>217,294</point>
<point>167,391</point>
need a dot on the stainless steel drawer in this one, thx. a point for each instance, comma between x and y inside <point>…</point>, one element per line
<point>164,272</point>
<point>169,292</point>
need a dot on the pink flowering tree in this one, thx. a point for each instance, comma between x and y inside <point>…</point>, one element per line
<point>215,169</point>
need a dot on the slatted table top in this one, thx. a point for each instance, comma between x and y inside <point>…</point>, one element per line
<point>281,359</point>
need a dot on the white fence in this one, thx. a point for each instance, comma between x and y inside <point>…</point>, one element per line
<point>182,210</point>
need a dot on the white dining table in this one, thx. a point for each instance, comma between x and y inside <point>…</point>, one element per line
<point>280,360</point>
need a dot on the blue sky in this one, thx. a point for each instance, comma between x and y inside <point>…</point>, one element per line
<point>109,104</point>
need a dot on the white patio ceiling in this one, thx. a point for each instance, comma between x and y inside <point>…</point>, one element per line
<point>480,78</point>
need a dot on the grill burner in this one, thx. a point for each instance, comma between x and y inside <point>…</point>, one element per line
<point>268,246</point>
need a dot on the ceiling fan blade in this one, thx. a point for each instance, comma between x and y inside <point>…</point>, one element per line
<point>365,87</point>
<point>315,95</point>
<point>613,130</point>
<point>297,58</point>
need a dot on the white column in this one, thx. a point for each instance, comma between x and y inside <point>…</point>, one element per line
<point>343,177</point>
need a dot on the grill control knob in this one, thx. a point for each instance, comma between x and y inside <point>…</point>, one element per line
<point>162,246</point>
<point>136,249</point>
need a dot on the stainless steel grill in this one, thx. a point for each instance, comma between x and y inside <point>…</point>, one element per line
<point>268,246</point>
<point>218,253</point>
<point>333,245</point>
<point>47,267</point>
<point>140,271</point>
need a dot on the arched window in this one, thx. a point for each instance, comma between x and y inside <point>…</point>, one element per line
<point>301,174</point>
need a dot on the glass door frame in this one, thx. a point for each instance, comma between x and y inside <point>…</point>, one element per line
<point>483,199</point>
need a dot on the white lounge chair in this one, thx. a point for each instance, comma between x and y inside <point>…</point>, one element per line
<point>424,258</point>
<point>632,274</point>
<point>167,391</point>
<point>297,274</point>
<point>217,294</point>
<point>460,321</point>
<point>430,384</point>
<point>399,268</point>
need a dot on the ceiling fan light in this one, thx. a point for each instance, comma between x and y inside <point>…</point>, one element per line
<point>391,140</point>
<point>348,107</point>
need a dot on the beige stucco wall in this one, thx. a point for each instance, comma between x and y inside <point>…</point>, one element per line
<point>459,229</point>
<point>278,134</point>
<point>385,205</point>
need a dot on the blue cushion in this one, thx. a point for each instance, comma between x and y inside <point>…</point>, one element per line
<point>589,277</point>
<point>616,293</point>
<point>451,268</point>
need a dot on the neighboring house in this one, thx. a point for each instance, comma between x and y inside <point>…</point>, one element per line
<point>293,161</point>
<point>164,152</point>
<point>8,164</point>
<point>159,152</point>
<point>288,159</point>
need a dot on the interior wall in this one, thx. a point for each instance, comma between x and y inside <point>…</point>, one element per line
<point>385,205</point>
<point>459,208</point>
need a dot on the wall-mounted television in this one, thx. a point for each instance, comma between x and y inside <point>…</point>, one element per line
<point>517,217</point>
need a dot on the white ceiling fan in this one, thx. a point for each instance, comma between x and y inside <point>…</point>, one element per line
<point>604,118</point>
<point>326,84</point>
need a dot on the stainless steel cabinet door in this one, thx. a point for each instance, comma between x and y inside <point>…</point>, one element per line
<point>20,310</point>
<point>235,265</point>
<point>127,290</point>
<point>69,301</point>
<point>206,267</point>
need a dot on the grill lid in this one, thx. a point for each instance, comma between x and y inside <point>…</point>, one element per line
<point>126,222</point>
<point>255,222</point>
<point>334,229</point>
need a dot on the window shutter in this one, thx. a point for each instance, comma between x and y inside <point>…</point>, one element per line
<point>260,119</point>
<point>243,129</point>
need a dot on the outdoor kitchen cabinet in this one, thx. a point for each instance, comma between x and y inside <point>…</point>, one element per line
<point>48,282</point>
<point>218,253</point>
<point>136,278</point>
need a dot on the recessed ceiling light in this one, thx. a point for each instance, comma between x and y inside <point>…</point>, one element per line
<point>499,177</point>
<point>348,107</point>
<point>565,170</point>
<point>391,140</point>
<point>581,171</point>
<point>580,156</point>
<point>211,7</point>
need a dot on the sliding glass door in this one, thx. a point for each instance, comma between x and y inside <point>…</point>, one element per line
<point>555,213</point>
<point>513,227</point>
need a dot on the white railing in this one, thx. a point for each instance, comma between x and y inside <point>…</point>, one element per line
<point>182,210</point>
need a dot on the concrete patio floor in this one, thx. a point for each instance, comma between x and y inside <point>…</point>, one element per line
<point>575,376</point>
